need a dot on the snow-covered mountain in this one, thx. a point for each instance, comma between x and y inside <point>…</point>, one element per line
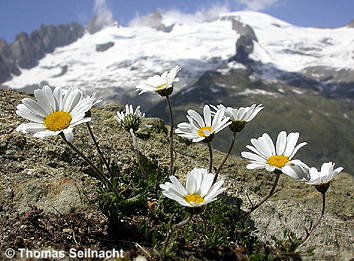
<point>237,59</point>
<point>115,59</point>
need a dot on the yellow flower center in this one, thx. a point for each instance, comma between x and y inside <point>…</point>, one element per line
<point>205,131</point>
<point>195,198</point>
<point>58,120</point>
<point>278,161</point>
<point>161,86</point>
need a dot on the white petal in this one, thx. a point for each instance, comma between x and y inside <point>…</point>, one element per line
<point>255,112</point>
<point>214,190</point>
<point>58,96</point>
<point>46,133</point>
<point>252,156</point>
<point>197,118</point>
<point>29,116</point>
<point>178,185</point>
<point>191,185</point>
<point>42,100</point>
<point>172,74</point>
<point>258,146</point>
<point>270,143</point>
<point>206,184</point>
<point>47,91</point>
<point>222,125</point>
<point>299,146</point>
<point>198,139</point>
<point>171,188</point>
<point>290,143</point>
<point>263,145</point>
<point>256,151</point>
<point>68,133</point>
<point>242,113</point>
<point>30,127</point>
<point>72,100</point>
<point>176,198</point>
<point>255,166</point>
<point>207,115</point>
<point>281,143</point>
<point>34,107</point>
<point>218,117</point>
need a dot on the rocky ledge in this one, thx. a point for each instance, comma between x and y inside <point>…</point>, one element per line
<point>45,178</point>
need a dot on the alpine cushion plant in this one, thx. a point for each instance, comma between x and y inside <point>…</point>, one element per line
<point>54,112</point>
<point>199,189</point>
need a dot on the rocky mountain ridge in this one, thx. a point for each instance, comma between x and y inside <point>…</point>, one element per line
<point>27,49</point>
<point>319,59</point>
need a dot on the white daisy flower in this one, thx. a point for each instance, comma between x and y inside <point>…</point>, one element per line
<point>130,119</point>
<point>199,189</point>
<point>320,179</point>
<point>266,155</point>
<point>54,112</point>
<point>199,129</point>
<point>240,116</point>
<point>161,84</point>
<point>325,175</point>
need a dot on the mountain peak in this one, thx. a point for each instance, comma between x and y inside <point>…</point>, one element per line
<point>98,22</point>
<point>350,24</point>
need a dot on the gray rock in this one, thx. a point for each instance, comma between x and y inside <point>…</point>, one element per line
<point>104,47</point>
<point>22,50</point>
<point>49,37</point>
<point>244,47</point>
<point>26,50</point>
<point>244,44</point>
<point>244,29</point>
<point>7,63</point>
<point>350,24</point>
<point>98,22</point>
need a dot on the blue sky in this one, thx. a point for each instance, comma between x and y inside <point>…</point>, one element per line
<point>27,15</point>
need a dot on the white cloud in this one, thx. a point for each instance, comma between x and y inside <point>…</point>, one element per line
<point>103,13</point>
<point>258,5</point>
<point>202,15</point>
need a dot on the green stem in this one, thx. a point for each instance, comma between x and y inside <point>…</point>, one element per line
<point>171,227</point>
<point>138,154</point>
<point>98,148</point>
<point>185,221</point>
<point>226,157</point>
<point>270,194</point>
<point>211,157</point>
<point>312,228</point>
<point>171,135</point>
<point>98,172</point>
